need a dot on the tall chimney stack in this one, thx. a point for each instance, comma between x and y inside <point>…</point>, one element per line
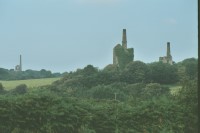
<point>168,49</point>
<point>124,41</point>
<point>20,65</point>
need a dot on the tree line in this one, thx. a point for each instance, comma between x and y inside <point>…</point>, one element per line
<point>6,74</point>
<point>134,72</point>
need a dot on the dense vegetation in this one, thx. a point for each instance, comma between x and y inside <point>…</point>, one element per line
<point>6,74</point>
<point>133,100</point>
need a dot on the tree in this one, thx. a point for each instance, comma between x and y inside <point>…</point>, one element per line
<point>163,73</point>
<point>108,91</point>
<point>152,90</point>
<point>191,65</point>
<point>4,74</point>
<point>20,89</point>
<point>1,88</point>
<point>189,100</point>
<point>135,72</point>
<point>89,70</point>
<point>45,74</point>
<point>111,68</point>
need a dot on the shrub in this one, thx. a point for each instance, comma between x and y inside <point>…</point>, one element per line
<point>20,89</point>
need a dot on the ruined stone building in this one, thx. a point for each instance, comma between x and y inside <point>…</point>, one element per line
<point>19,67</point>
<point>121,54</point>
<point>168,58</point>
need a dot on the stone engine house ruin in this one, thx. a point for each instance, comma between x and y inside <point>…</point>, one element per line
<point>168,58</point>
<point>19,67</point>
<point>121,54</point>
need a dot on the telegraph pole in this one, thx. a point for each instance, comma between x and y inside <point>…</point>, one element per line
<point>116,116</point>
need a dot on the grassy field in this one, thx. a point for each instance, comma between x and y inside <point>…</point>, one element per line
<point>30,82</point>
<point>174,89</point>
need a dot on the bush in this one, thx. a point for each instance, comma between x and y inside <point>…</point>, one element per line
<point>1,88</point>
<point>20,89</point>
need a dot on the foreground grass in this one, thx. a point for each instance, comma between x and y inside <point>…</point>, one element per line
<point>30,82</point>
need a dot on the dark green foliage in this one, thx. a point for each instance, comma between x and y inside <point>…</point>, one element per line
<point>84,102</point>
<point>190,67</point>
<point>28,74</point>
<point>43,111</point>
<point>152,89</point>
<point>20,89</point>
<point>135,72</point>
<point>45,73</point>
<point>89,70</point>
<point>189,100</point>
<point>103,119</point>
<point>108,77</point>
<point>108,92</point>
<point>4,73</point>
<point>2,91</point>
<point>1,87</point>
<point>163,73</point>
<point>135,90</point>
<point>111,68</point>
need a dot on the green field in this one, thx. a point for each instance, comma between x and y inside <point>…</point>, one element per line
<point>30,82</point>
<point>174,89</point>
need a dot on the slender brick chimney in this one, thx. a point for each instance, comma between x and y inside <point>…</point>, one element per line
<point>124,41</point>
<point>168,49</point>
<point>20,64</point>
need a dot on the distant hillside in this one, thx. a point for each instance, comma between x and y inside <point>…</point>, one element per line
<point>6,74</point>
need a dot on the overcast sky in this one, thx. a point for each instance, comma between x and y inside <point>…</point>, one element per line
<point>63,35</point>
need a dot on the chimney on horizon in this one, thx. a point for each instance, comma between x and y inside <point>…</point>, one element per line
<point>124,41</point>
<point>20,64</point>
<point>168,49</point>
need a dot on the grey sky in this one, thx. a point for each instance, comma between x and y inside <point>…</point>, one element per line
<point>63,35</point>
